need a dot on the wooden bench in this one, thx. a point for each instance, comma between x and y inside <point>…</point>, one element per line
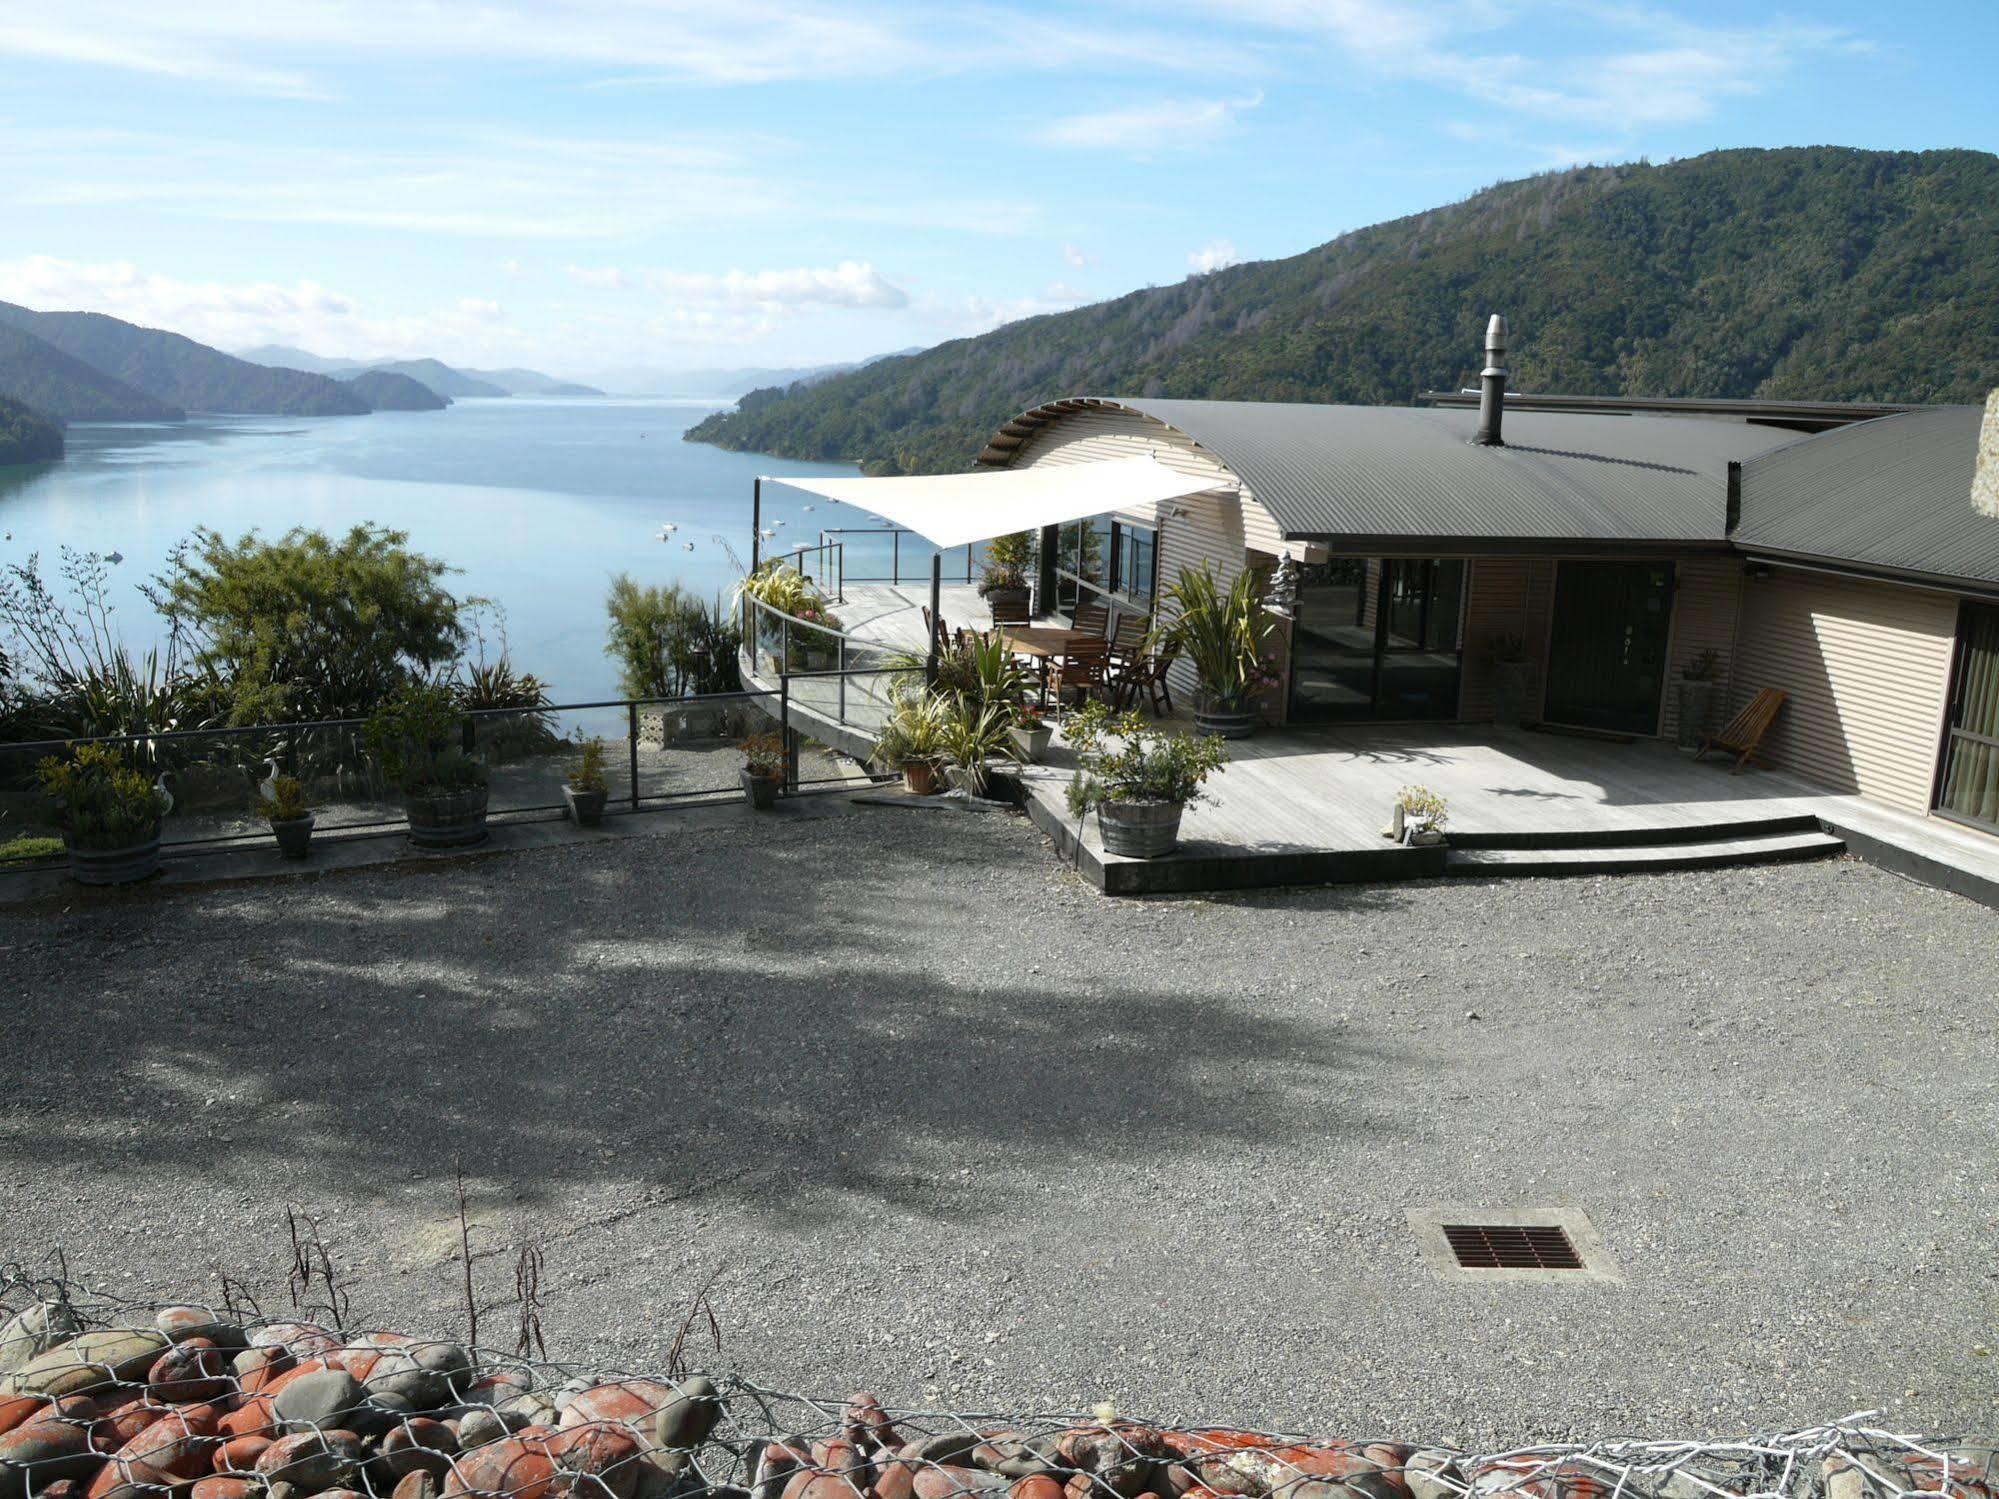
<point>1744,733</point>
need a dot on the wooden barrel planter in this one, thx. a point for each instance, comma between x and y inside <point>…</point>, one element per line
<point>1139,830</point>
<point>124,865</point>
<point>453,819</point>
<point>1226,718</point>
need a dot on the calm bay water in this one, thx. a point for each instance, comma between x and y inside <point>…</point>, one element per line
<point>536,502</point>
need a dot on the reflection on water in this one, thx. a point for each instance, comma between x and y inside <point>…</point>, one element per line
<point>535,502</point>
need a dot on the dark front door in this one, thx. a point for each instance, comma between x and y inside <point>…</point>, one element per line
<point>1970,787</point>
<point>1607,648</point>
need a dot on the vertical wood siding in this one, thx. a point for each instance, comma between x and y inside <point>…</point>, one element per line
<point>1867,667</point>
<point>1707,592</point>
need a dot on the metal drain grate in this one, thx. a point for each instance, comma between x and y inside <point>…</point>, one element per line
<point>1501,1246</point>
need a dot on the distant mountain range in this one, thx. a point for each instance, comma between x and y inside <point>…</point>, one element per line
<point>390,390</point>
<point>1809,272</point>
<point>440,377</point>
<point>65,389</point>
<point>178,371</point>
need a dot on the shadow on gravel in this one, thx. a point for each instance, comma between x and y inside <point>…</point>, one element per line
<point>748,1023</point>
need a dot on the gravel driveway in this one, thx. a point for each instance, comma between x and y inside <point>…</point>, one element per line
<point>949,1125</point>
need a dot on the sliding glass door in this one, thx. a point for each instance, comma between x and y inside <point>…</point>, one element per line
<point>1377,638</point>
<point>1970,781</point>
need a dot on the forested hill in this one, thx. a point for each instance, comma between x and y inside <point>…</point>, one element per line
<point>26,436</point>
<point>1814,272</point>
<point>181,372</point>
<point>64,387</point>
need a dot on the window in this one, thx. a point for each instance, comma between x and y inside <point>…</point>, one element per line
<point>1107,556</point>
<point>1134,561</point>
<point>1970,790</point>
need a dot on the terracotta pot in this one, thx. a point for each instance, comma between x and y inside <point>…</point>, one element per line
<point>919,777</point>
<point>447,819</point>
<point>760,791</point>
<point>294,836</point>
<point>1139,830</point>
<point>115,866</point>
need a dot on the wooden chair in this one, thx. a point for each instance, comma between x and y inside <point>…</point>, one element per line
<point>1095,618</point>
<point>1145,676</point>
<point>1744,734</point>
<point>1086,668</point>
<point>1128,640</point>
<point>936,631</point>
<point>1010,611</point>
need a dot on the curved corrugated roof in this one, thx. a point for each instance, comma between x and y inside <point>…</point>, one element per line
<point>1399,472</point>
<point>1892,493</point>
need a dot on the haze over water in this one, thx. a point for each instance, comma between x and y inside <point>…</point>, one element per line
<point>536,502</point>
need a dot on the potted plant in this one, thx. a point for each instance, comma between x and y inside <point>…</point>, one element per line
<point>1220,631</point>
<point>587,788</point>
<point>444,789</point>
<point>763,768</point>
<point>1031,732</point>
<point>1512,680</point>
<point>1699,680</point>
<point>109,814</point>
<point>290,819</point>
<point>1138,779</point>
<point>1004,581</point>
<point>974,734</point>
<point>1420,815</point>
<point>912,737</point>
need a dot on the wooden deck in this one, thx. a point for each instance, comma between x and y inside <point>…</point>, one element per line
<point>1310,806</point>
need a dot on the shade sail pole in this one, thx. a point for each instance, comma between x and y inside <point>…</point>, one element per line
<point>936,616</point>
<point>756,522</point>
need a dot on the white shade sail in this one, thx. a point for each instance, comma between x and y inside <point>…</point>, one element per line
<point>953,509</point>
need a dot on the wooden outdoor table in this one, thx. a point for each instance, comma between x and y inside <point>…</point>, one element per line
<point>1045,643</point>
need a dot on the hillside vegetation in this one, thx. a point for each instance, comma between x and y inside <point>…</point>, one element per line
<point>181,372</point>
<point>26,436</point>
<point>385,390</point>
<point>65,388</point>
<point>1802,273</point>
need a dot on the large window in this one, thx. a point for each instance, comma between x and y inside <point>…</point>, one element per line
<point>1106,556</point>
<point>1970,786</point>
<point>1377,639</point>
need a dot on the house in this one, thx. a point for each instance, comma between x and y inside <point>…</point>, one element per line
<point>1612,545</point>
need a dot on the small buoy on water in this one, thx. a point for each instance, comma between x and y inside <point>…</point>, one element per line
<point>689,545</point>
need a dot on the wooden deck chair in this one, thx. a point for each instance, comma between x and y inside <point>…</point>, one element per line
<point>1744,734</point>
<point>1086,668</point>
<point>1009,611</point>
<point>1128,640</point>
<point>1096,618</point>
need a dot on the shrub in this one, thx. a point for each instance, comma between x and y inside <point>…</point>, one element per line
<point>1220,631</point>
<point>1007,558</point>
<point>914,729</point>
<point>412,736</point>
<point>100,801</point>
<point>1705,667</point>
<point>668,643</point>
<point>286,803</point>
<point>1125,759</point>
<point>305,627</point>
<point>589,772</point>
<point>1423,807</point>
<point>975,733</point>
<point>763,754</point>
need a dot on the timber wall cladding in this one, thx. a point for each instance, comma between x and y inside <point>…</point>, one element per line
<point>1204,528</point>
<point>1707,595</point>
<point>1506,596</point>
<point>1867,668</point>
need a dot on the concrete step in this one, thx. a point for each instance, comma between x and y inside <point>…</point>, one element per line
<point>1713,832</point>
<point>1698,853</point>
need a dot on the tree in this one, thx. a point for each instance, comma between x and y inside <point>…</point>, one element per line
<point>667,642</point>
<point>309,628</point>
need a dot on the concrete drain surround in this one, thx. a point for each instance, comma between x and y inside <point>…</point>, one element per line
<point>1485,1244</point>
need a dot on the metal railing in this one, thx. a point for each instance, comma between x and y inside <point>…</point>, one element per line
<point>905,555</point>
<point>823,565</point>
<point>664,752</point>
<point>836,675</point>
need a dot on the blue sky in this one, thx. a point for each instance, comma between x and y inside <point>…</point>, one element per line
<point>591,186</point>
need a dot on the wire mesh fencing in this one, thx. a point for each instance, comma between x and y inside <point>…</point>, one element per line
<point>102,1398</point>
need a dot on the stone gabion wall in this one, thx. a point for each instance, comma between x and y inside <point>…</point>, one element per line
<point>121,1401</point>
<point>1985,478</point>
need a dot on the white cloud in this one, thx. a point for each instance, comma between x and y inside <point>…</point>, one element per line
<point>254,46</point>
<point>1145,129</point>
<point>1625,64</point>
<point>1215,255</point>
<point>233,315</point>
<point>605,277</point>
<point>510,267</point>
<point>1075,257</point>
<point>851,283</point>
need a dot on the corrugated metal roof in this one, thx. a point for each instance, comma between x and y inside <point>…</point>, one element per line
<point>1893,493</point>
<point>1388,472</point>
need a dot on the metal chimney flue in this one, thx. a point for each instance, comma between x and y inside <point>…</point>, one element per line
<point>1492,386</point>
